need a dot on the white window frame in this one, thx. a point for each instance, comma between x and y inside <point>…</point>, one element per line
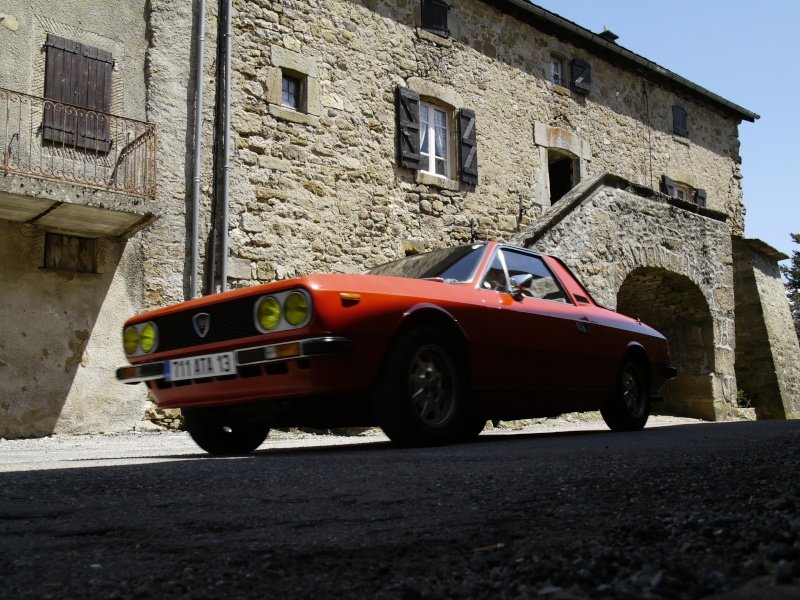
<point>431,131</point>
<point>557,62</point>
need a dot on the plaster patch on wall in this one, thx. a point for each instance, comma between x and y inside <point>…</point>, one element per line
<point>10,22</point>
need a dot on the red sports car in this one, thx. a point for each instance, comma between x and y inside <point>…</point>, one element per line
<point>429,347</point>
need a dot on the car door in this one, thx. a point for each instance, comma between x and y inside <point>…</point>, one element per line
<point>540,344</point>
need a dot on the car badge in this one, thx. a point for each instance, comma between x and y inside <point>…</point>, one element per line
<point>201,323</point>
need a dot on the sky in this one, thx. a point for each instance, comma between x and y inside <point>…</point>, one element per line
<point>743,51</point>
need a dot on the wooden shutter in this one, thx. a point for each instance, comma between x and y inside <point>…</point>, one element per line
<point>78,79</point>
<point>668,186</point>
<point>581,76</point>
<point>680,121</point>
<point>407,112</point>
<point>434,16</point>
<point>468,147</point>
<point>701,198</point>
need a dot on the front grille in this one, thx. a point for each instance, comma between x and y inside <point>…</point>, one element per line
<point>229,320</point>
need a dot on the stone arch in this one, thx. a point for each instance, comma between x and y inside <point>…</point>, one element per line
<point>676,306</point>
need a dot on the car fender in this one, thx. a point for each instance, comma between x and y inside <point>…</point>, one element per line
<point>432,314</point>
<point>638,352</point>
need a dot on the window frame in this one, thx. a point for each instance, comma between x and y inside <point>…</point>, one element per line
<point>561,61</point>
<point>300,80</point>
<point>428,131</point>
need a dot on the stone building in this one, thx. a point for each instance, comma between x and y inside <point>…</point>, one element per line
<point>362,130</point>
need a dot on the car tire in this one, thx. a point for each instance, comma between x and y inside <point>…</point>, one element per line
<point>420,398</point>
<point>630,408</point>
<point>220,431</point>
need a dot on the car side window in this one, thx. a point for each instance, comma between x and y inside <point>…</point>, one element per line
<point>543,286</point>
<point>495,278</point>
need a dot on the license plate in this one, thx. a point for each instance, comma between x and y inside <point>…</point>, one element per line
<point>200,367</point>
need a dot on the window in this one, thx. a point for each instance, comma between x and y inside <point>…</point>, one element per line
<point>508,264</point>
<point>680,121</point>
<point>557,69</point>
<point>78,81</point>
<point>562,171</point>
<point>434,146</point>
<point>292,92</point>
<point>427,142</point>
<point>70,253</point>
<point>293,87</point>
<point>682,191</point>
<point>434,16</point>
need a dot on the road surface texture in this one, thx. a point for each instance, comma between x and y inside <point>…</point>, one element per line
<point>677,511</point>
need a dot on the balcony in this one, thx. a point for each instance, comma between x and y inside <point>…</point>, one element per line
<point>75,171</point>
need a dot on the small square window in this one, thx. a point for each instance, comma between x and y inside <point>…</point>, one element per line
<point>292,92</point>
<point>434,16</point>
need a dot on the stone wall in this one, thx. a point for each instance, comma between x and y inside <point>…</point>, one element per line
<point>767,351</point>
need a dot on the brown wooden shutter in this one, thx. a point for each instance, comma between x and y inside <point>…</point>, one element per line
<point>468,148</point>
<point>78,81</point>
<point>407,112</point>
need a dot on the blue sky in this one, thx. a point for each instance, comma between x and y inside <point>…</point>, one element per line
<point>743,51</point>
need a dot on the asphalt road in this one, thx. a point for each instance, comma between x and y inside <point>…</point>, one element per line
<point>680,511</point>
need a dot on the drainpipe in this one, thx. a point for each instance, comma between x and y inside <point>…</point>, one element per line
<point>223,267</point>
<point>198,122</point>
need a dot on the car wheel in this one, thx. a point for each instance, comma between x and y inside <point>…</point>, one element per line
<point>630,407</point>
<point>420,398</point>
<point>220,431</point>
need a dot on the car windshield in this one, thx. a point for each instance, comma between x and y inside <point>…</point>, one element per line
<point>451,264</point>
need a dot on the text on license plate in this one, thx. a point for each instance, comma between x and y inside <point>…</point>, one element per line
<point>198,367</point>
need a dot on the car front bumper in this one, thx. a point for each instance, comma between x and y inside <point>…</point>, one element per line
<point>246,357</point>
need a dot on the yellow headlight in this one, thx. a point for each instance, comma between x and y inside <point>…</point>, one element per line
<point>296,308</point>
<point>268,313</point>
<point>130,340</point>
<point>148,337</point>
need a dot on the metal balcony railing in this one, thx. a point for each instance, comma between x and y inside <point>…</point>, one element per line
<point>52,140</point>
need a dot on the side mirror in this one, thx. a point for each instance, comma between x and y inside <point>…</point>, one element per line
<point>520,284</point>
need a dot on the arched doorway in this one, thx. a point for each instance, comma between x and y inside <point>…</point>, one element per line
<point>675,306</point>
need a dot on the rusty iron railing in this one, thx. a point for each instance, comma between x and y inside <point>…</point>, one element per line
<point>52,140</point>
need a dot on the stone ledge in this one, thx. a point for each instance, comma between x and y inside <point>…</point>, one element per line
<point>437,39</point>
<point>438,181</point>
<point>287,114</point>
